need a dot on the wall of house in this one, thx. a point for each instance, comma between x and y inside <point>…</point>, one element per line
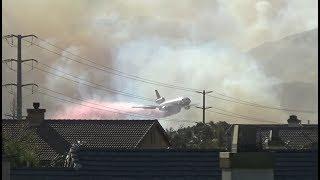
<point>154,139</point>
<point>252,174</point>
<point>132,164</point>
<point>302,164</point>
<point>5,169</point>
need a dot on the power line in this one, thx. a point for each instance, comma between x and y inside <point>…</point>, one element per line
<point>262,106</point>
<point>107,89</point>
<point>122,74</point>
<point>125,94</point>
<point>64,100</point>
<point>104,88</point>
<point>117,72</point>
<point>163,83</point>
<point>236,114</point>
<point>117,110</point>
<point>79,99</point>
<point>222,94</point>
<point>248,118</point>
<point>178,120</point>
<point>171,86</point>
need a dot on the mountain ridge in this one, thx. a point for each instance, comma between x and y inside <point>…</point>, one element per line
<point>294,61</point>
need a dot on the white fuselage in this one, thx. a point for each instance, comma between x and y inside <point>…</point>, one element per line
<point>174,106</point>
<point>171,102</point>
<point>169,107</point>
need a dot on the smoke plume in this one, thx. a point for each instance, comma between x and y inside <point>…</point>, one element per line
<point>100,110</point>
<point>195,44</point>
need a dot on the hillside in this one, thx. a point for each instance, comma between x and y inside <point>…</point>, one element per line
<point>293,60</point>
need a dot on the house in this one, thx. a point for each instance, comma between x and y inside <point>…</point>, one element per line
<point>52,137</point>
<point>291,136</point>
<point>272,151</point>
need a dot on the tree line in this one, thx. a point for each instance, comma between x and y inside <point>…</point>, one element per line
<point>200,136</point>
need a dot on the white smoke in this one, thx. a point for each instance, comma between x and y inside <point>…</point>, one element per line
<point>209,66</point>
<point>197,44</point>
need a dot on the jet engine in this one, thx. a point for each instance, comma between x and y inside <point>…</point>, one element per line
<point>160,100</point>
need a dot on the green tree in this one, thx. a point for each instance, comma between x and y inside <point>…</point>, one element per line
<point>19,151</point>
<point>200,136</point>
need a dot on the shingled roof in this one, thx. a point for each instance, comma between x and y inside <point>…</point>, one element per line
<point>257,137</point>
<point>54,137</point>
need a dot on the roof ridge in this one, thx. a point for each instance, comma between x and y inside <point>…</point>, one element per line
<point>87,120</point>
<point>106,121</point>
<point>100,120</point>
<point>146,133</point>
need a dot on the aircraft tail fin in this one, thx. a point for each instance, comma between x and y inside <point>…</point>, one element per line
<point>157,94</point>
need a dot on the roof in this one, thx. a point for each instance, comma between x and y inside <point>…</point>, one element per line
<point>294,138</point>
<point>55,137</point>
<point>137,164</point>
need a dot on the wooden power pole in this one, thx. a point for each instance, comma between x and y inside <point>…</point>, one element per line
<point>203,104</point>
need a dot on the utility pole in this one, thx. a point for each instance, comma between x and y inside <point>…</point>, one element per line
<point>204,92</point>
<point>19,62</point>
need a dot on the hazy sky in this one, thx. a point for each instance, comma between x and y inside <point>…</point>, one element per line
<point>197,44</point>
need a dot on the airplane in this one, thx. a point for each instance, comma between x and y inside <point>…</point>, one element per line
<point>170,107</point>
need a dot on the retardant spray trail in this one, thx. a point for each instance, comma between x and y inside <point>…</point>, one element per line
<point>92,109</point>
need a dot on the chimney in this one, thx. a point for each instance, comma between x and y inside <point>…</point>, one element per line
<point>293,121</point>
<point>35,116</point>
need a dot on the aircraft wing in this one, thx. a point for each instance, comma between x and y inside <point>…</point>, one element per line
<point>146,107</point>
<point>193,105</point>
<point>190,105</point>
